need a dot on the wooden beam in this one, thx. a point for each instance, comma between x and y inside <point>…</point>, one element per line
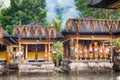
<point>6,42</point>
<point>87,37</point>
<point>39,42</point>
<point>14,45</point>
<point>117,37</point>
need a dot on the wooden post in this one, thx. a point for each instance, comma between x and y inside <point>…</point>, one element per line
<point>19,49</point>
<point>49,52</point>
<point>77,57</point>
<point>45,47</point>
<point>111,49</point>
<point>26,51</point>
<point>103,45</point>
<point>77,47</point>
<point>71,47</point>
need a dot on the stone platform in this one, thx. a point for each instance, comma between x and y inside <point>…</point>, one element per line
<point>3,65</point>
<point>36,67</point>
<point>74,65</point>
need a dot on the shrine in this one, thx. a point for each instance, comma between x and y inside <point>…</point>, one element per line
<point>88,43</point>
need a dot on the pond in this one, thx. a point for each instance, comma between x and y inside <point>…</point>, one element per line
<point>72,76</point>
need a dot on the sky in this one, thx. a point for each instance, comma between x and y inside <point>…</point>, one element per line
<point>62,10</point>
<point>6,3</point>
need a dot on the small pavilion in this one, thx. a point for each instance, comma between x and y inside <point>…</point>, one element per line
<point>89,42</point>
<point>5,41</point>
<point>35,40</point>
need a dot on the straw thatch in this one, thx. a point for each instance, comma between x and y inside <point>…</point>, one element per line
<point>4,35</point>
<point>30,31</point>
<point>92,24</point>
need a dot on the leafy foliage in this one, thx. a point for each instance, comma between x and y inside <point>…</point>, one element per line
<point>58,46</point>
<point>1,3</point>
<point>96,12</point>
<point>57,23</point>
<point>25,11</point>
<point>116,43</point>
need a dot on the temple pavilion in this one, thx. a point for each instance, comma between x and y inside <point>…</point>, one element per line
<point>35,42</point>
<point>35,39</point>
<point>88,43</point>
<point>5,42</point>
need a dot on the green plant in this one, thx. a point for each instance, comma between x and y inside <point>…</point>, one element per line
<point>116,43</point>
<point>58,48</point>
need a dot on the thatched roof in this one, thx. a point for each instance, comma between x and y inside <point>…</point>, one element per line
<point>35,30</point>
<point>109,4</point>
<point>3,34</point>
<point>6,36</point>
<point>36,23</point>
<point>91,26</point>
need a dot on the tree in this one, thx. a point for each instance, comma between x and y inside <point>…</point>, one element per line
<point>57,23</point>
<point>25,11</point>
<point>96,12</point>
<point>1,3</point>
<point>58,48</point>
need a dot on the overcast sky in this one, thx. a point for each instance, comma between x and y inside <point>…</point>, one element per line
<point>7,3</point>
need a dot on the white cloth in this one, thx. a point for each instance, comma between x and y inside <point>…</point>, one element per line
<point>101,51</point>
<point>90,49</point>
<point>19,53</point>
<point>96,49</point>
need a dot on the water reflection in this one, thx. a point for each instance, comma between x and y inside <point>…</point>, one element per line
<point>82,76</point>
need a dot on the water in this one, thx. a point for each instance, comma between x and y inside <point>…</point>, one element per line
<point>72,76</point>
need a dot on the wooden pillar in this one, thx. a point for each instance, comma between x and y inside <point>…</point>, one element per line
<point>20,48</point>
<point>111,49</point>
<point>103,44</point>
<point>45,47</point>
<point>19,45</point>
<point>77,57</point>
<point>26,51</point>
<point>49,52</point>
<point>71,47</point>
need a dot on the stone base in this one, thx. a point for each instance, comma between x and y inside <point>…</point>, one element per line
<point>73,65</point>
<point>36,67</point>
<point>2,68</point>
